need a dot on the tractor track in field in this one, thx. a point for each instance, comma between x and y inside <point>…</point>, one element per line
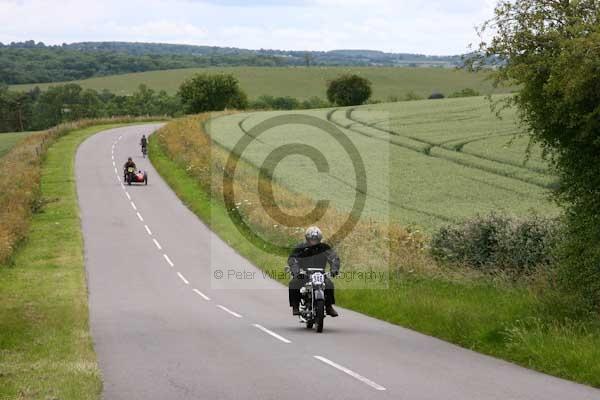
<point>427,147</point>
<point>338,179</point>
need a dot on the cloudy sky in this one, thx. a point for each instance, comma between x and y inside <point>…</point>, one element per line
<point>417,26</point>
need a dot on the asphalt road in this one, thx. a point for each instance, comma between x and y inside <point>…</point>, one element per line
<point>164,330</point>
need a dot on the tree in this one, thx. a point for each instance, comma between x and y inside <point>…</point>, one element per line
<point>349,90</point>
<point>15,110</point>
<point>216,92</point>
<point>551,49</point>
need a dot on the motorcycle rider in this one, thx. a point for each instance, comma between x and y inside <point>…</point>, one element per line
<point>312,253</point>
<point>144,142</point>
<point>128,164</point>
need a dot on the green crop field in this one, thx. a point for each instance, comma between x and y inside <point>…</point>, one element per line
<point>427,162</point>
<point>9,139</point>
<point>300,82</point>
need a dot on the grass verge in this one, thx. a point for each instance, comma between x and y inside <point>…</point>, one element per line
<point>46,350</point>
<point>492,317</point>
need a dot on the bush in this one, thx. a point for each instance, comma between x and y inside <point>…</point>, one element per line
<point>275,103</point>
<point>410,96</point>
<point>436,95</point>
<point>266,102</point>
<point>349,90</point>
<point>215,92</point>
<point>468,92</point>
<point>498,241</point>
<point>315,102</point>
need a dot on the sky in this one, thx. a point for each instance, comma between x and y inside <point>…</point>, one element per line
<point>440,27</point>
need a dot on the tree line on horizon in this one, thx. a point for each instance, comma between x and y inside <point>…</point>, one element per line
<point>35,62</point>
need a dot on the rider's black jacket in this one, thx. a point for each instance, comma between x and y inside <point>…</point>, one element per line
<point>144,142</point>
<point>129,164</point>
<point>306,256</point>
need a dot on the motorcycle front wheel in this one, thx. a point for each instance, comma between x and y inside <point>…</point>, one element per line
<point>320,314</point>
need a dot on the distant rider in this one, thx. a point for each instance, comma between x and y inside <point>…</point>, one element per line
<point>312,253</point>
<point>144,142</point>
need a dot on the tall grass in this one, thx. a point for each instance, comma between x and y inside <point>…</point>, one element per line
<point>20,171</point>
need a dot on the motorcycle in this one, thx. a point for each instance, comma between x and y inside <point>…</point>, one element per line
<point>312,298</point>
<point>135,177</point>
<point>144,151</point>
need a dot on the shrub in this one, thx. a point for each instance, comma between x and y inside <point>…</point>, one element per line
<point>498,241</point>
<point>412,96</point>
<point>468,92</point>
<point>349,90</point>
<point>315,102</point>
<point>436,95</point>
<point>266,102</point>
<point>215,92</point>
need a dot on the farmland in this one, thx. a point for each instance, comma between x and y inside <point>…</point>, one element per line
<point>299,82</point>
<point>427,162</point>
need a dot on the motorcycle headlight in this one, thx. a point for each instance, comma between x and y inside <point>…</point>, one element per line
<point>303,290</point>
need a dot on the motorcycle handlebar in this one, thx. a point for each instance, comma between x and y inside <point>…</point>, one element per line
<point>304,272</point>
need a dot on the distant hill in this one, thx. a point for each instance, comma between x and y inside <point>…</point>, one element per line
<point>290,57</point>
<point>35,62</point>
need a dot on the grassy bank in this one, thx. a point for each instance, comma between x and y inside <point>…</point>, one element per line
<point>45,347</point>
<point>495,317</point>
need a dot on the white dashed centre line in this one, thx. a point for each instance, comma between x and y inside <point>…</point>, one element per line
<point>183,278</point>
<point>133,205</point>
<point>205,297</point>
<point>148,230</point>
<point>168,260</point>
<point>140,216</point>
<point>158,246</point>
<point>276,336</point>
<point>229,311</point>
<point>128,196</point>
<point>351,373</point>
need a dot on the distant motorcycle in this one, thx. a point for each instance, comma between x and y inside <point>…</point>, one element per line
<point>131,176</point>
<point>312,298</point>
<point>144,151</point>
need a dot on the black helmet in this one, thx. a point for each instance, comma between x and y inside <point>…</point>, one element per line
<point>129,159</point>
